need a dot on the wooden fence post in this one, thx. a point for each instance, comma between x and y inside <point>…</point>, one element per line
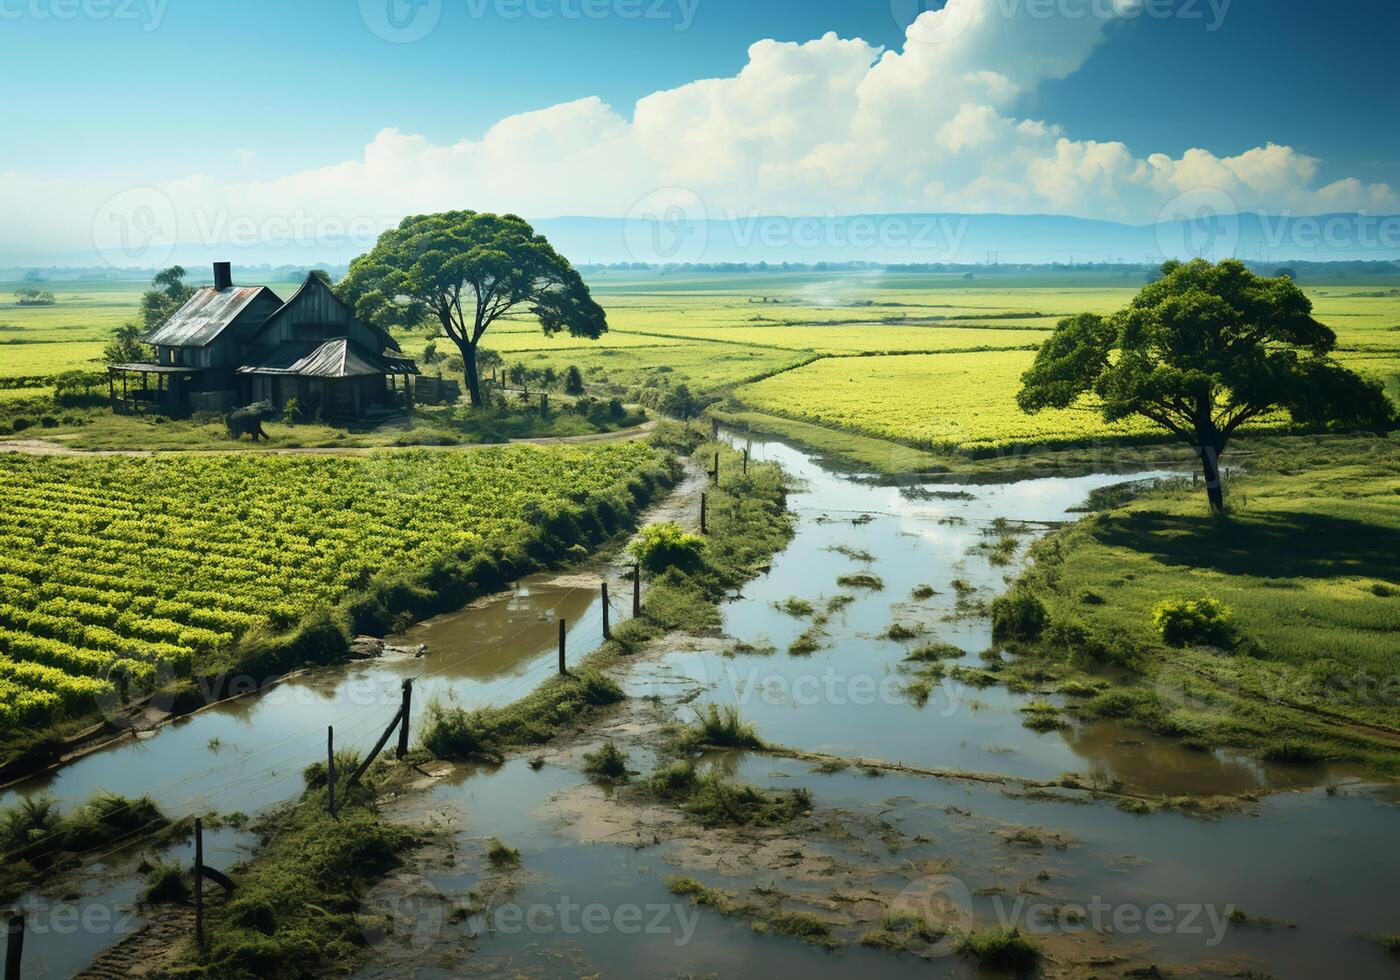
<point>199,883</point>
<point>562,668</point>
<point>406,710</point>
<point>746,462</point>
<point>704,516</point>
<point>378,747</point>
<point>330,769</point>
<point>715,472</point>
<point>636,590</point>
<point>607,627</point>
<point>14,945</point>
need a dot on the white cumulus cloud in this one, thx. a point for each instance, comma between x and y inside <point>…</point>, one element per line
<point>832,125</point>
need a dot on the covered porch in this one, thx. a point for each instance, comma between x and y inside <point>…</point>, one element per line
<point>334,378</point>
<point>140,388</point>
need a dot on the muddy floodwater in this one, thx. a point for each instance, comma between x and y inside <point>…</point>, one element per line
<point>1297,883</point>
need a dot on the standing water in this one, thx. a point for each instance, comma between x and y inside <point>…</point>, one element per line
<point>1303,872</point>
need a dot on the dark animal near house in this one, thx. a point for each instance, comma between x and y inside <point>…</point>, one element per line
<point>250,420</point>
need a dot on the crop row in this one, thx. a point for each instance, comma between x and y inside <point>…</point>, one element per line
<point>112,567</point>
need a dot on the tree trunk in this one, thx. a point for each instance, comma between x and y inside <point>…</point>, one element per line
<point>1210,462</point>
<point>473,376</point>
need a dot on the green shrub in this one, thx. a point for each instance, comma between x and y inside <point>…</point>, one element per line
<point>501,855</point>
<point>573,380</point>
<point>165,882</point>
<point>607,765</point>
<point>664,546</point>
<point>721,726</point>
<point>1018,615</point>
<point>1194,621</point>
<point>1001,949</point>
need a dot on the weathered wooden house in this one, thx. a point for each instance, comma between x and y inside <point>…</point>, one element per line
<point>234,345</point>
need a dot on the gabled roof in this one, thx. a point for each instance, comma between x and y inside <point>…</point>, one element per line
<point>205,315</point>
<point>339,358</point>
<point>314,282</point>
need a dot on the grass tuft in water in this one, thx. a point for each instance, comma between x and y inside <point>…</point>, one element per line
<point>901,632</point>
<point>794,606</point>
<point>501,856</point>
<point>606,765</point>
<point>861,580</point>
<point>718,726</point>
<point>1001,949</point>
<point>165,882</point>
<point>807,642</point>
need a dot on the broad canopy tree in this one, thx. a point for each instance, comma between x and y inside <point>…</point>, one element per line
<point>465,271</point>
<point>1201,352</point>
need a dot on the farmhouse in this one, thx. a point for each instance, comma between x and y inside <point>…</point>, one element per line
<point>235,345</point>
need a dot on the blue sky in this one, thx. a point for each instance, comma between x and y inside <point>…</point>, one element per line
<point>304,82</point>
<point>226,121</point>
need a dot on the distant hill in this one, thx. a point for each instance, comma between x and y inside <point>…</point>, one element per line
<point>914,238</point>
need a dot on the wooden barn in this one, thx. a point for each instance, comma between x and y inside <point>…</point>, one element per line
<point>235,345</point>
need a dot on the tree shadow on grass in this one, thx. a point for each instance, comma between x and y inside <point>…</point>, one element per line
<point>1282,544</point>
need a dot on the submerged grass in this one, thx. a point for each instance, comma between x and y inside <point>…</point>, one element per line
<point>861,580</point>
<point>712,800</point>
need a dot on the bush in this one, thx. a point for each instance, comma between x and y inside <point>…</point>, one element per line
<point>664,546</point>
<point>607,765</point>
<point>165,882</point>
<point>1018,615</point>
<point>1203,621</point>
<point>573,381</point>
<point>1001,949</point>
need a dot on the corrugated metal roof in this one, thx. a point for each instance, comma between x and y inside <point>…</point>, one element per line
<point>205,316</point>
<point>339,358</point>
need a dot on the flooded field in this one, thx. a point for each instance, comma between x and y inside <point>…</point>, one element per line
<point>1274,888</point>
<point>1296,882</point>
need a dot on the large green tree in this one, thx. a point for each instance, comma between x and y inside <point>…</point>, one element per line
<point>463,271</point>
<point>167,294</point>
<point>1201,352</point>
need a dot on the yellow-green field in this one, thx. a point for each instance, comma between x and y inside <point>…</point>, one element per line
<point>925,359</point>
<point>952,401</point>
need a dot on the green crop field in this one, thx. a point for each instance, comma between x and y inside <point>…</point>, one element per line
<point>950,401</point>
<point>927,359</point>
<point>124,565</point>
